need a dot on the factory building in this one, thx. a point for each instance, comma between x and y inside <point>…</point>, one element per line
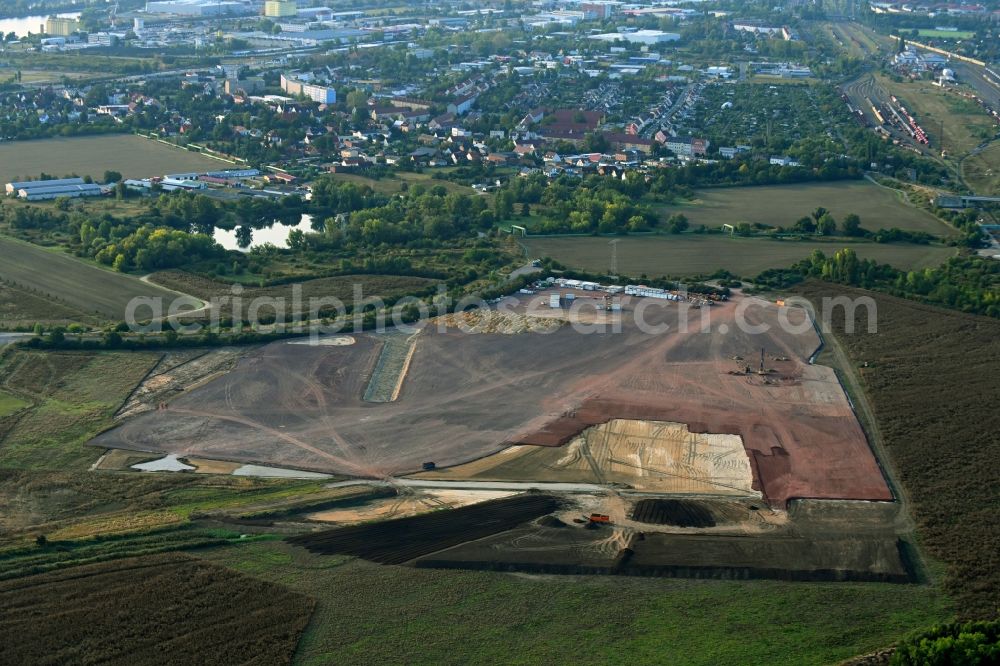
<point>61,26</point>
<point>198,7</point>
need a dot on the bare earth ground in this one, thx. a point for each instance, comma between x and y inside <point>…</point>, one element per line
<point>466,396</point>
<point>648,456</point>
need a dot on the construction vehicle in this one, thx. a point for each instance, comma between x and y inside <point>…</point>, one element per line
<point>600,518</point>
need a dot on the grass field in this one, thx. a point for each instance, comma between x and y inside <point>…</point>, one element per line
<point>694,254</point>
<point>982,170</point>
<point>943,448</point>
<point>74,396</point>
<point>150,610</point>
<point>946,34</point>
<point>368,613</point>
<point>341,287</point>
<point>878,207</point>
<point>393,184</point>
<point>54,275</point>
<point>10,403</point>
<point>132,156</point>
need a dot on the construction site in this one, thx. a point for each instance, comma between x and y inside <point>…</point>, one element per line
<point>670,434</point>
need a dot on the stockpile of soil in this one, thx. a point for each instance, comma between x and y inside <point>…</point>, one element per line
<point>492,321</point>
<point>679,513</point>
<point>401,540</point>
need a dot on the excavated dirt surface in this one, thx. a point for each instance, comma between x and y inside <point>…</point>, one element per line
<point>403,539</point>
<point>681,513</point>
<point>646,456</point>
<point>821,541</point>
<point>466,396</point>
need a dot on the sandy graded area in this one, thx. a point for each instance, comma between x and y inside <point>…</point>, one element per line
<point>409,504</point>
<point>650,456</point>
<point>334,341</point>
<point>467,395</point>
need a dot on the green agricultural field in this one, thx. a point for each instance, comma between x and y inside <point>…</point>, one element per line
<point>695,254</point>
<point>132,156</point>
<point>366,613</point>
<point>54,275</point>
<point>878,207</point>
<point>946,34</point>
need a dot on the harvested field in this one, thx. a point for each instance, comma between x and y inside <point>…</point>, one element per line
<point>781,205</point>
<point>403,539</point>
<point>20,308</point>
<point>650,456</point>
<point>466,396</point>
<point>56,276</point>
<point>696,254</point>
<point>132,156</point>
<point>931,374</point>
<point>682,513</point>
<point>150,610</point>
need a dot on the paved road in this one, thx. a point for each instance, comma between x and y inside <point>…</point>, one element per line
<point>7,338</point>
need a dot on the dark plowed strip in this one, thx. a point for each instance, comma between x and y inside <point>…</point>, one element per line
<point>403,539</point>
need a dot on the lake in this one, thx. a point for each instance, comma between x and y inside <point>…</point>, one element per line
<point>33,24</point>
<point>276,234</point>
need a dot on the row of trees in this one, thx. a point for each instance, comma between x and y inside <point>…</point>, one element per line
<point>968,283</point>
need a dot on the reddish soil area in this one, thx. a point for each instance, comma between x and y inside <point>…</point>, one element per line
<point>469,395</point>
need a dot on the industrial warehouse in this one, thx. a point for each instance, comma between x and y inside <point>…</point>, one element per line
<point>41,190</point>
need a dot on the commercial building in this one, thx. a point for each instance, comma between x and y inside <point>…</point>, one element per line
<point>639,37</point>
<point>61,26</point>
<point>280,8</point>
